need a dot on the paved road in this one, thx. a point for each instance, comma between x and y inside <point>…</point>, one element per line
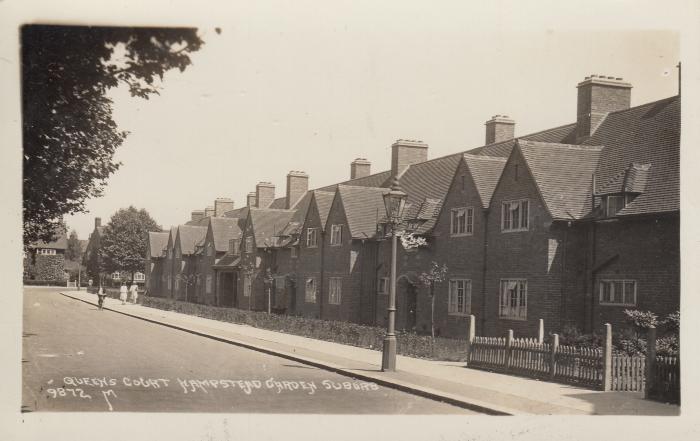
<point>77,358</point>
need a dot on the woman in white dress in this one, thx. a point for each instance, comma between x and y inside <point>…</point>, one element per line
<point>122,293</point>
<point>134,292</point>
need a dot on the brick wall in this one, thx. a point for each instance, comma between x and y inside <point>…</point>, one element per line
<point>309,264</point>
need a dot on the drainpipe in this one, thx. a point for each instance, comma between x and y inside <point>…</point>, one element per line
<point>482,315</point>
<point>322,274</point>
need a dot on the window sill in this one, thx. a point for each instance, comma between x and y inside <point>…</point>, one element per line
<point>461,234</point>
<point>517,319</point>
<point>336,244</point>
<point>309,301</point>
<point>458,314</point>
<point>519,230</point>
<point>618,304</point>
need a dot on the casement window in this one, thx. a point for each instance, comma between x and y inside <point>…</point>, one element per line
<point>337,234</point>
<point>513,299</point>
<point>233,246</point>
<point>210,249</point>
<point>249,244</point>
<point>514,215</point>
<point>177,282</point>
<point>208,284</point>
<point>459,297</point>
<point>311,237</point>
<point>334,289</point>
<point>618,292</point>
<point>310,290</point>
<point>613,204</point>
<point>46,251</point>
<point>170,253</point>
<point>247,285</point>
<point>116,275</point>
<point>139,277</point>
<point>462,221</point>
<point>294,252</point>
<point>170,283</point>
<point>383,285</point>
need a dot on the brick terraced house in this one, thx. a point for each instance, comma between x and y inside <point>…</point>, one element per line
<point>571,224</point>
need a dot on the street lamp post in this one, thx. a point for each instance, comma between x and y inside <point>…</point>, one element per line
<point>394,201</point>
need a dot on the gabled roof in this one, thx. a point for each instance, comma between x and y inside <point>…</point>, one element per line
<point>278,204</point>
<point>376,180</point>
<point>61,242</point>
<point>267,223</point>
<point>648,135</point>
<point>189,236</point>
<point>157,241</point>
<point>562,134</point>
<point>324,200</point>
<point>364,207</point>
<point>223,229</point>
<point>485,171</point>
<point>227,261</point>
<point>563,174</point>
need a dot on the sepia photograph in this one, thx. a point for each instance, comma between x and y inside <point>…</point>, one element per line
<point>352,213</point>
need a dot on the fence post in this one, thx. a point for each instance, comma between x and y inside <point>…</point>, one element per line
<point>509,344</point>
<point>540,332</point>
<point>607,358</point>
<point>553,359</point>
<point>471,333</point>
<point>651,362</point>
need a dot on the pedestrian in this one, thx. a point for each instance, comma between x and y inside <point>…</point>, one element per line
<point>101,297</point>
<point>122,293</point>
<point>134,292</point>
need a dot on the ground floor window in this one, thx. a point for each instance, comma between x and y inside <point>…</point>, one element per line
<point>383,285</point>
<point>618,292</point>
<point>209,282</point>
<point>513,299</point>
<point>247,284</point>
<point>459,297</point>
<point>310,290</point>
<point>334,290</point>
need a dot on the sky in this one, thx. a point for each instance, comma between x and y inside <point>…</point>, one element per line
<point>268,96</point>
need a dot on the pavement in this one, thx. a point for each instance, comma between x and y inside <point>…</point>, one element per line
<point>448,382</point>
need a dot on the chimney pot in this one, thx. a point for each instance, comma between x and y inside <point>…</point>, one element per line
<point>264,194</point>
<point>197,215</point>
<point>297,186</point>
<point>251,200</point>
<point>598,96</point>
<point>405,152</point>
<point>209,211</point>
<point>222,205</point>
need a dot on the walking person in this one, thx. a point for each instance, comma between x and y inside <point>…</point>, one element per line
<point>134,292</point>
<point>101,297</point>
<point>122,293</point>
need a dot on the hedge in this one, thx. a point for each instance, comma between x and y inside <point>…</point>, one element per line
<point>370,337</point>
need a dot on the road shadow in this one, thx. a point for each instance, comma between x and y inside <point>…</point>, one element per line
<point>299,366</point>
<point>626,403</point>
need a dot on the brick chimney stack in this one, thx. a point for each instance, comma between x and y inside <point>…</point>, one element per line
<point>209,211</point>
<point>359,168</point>
<point>250,200</point>
<point>297,186</point>
<point>599,95</point>
<point>499,128</point>
<point>197,215</point>
<point>222,205</point>
<point>405,152</point>
<point>98,222</point>
<point>264,194</point>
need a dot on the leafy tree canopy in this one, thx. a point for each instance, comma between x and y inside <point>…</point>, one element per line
<point>69,134</point>
<point>123,244</point>
<point>74,251</point>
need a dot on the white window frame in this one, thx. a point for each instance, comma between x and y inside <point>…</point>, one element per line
<point>210,249</point>
<point>310,294</point>
<point>139,277</point>
<point>177,282</point>
<point>336,235</point>
<point>249,244</point>
<point>611,293</point>
<point>116,276</point>
<point>453,307</point>
<point>247,286</point>
<point>47,251</point>
<point>385,282</point>
<point>468,226</point>
<point>505,308</point>
<point>294,252</point>
<point>335,289</point>
<point>311,233</point>
<point>170,283</point>
<point>209,283</point>
<point>507,212</point>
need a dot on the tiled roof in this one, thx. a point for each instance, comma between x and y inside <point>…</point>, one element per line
<point>646,134</point>
<point>267,223</point>
<point>430,179</point>
<point>61,242</point>
<point>324,200</point>
<point>364,206</point>
<point>224,229</point>
<point>563,174</point>
<point>562,134</point>
<point>189,236</point>
<point>279,203</point>
<point>157,241</point>
<point>486,171</point>
<point>376,180</point>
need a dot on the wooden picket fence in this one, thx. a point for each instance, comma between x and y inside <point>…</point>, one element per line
<point>628,373</point>
<point>582,366</point>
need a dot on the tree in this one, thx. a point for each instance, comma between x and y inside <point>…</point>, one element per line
<point>69,135</point>
<point>123,245</point>
<point>436,274</point>
<point>188,280</point>
<point>74,251</point>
